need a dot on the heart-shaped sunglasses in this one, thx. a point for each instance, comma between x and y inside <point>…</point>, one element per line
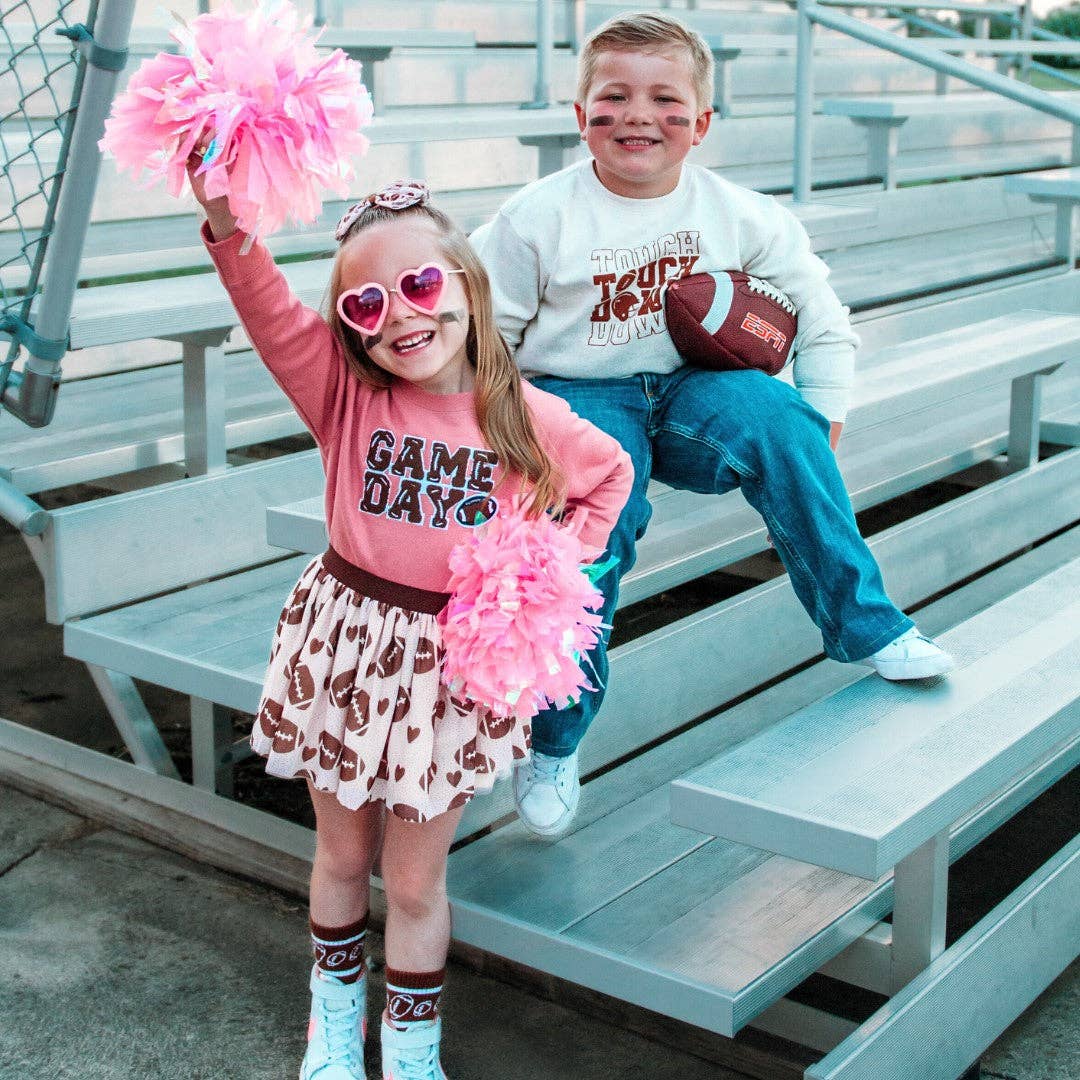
<point>365,309</point>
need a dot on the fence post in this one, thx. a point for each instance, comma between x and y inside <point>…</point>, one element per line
<point>1027,24</point>
<point>31,393</point>
<point>804,104</point>
<point>545,43</point>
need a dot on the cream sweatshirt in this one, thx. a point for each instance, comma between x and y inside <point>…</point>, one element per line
<point>576,273</point>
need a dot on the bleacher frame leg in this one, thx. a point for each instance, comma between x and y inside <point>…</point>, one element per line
<point>920,895</point>
<point>135,724</point>
<point>1025,405</point>
<point>1065,230</point>
<point>882,144</point>
<point>211,745</point>
<point>204,402</point>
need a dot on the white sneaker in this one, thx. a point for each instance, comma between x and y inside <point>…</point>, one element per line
<point>546,793</point>
<point>336,1030</point>
<point>910,656</point>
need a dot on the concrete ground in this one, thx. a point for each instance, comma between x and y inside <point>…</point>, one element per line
<point>122,961</point>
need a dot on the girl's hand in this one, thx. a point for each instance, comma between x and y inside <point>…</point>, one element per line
<point>221,219</point>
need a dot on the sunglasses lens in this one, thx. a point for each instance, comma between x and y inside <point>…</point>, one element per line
<point>424,289</point>
<point>364,309</point>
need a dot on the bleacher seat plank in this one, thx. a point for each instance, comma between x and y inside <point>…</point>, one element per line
<point>90,436</point>
<point>859,780</point>
<point>139,640</point>
<point>141,556</point>
<point>875,274</point>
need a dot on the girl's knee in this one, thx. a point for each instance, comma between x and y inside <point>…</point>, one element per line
<point>414,893</point>
<point>343,863</point>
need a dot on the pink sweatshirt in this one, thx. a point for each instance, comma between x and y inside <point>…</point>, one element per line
<point>406,471</point>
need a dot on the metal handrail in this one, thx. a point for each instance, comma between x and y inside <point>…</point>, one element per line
<point>21,511</point>
<point>810,13</point>
<point>1037,34</point>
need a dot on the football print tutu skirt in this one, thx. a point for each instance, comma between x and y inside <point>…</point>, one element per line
<point>354,703</point>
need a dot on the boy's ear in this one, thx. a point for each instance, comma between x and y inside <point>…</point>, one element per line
<point>701,126</point>
<point>579,112</point>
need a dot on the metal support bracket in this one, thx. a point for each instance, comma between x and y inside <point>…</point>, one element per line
<point>882,143</point>
<point>554,152</point>
<point>97,55</point>
<point>920,894</point>
<point>211,747</point>
<point>1025,405</point>
<point>135,724</point>
<point>204,401</point>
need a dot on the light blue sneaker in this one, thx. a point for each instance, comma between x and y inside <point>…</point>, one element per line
<point>336,1030</point>
<point>412,1052</point>
<point>546,793</point>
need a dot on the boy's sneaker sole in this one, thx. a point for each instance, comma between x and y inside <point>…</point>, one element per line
<point>903,670</point>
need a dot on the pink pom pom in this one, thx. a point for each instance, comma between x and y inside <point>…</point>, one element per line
<point>282,121</point>
<point>521,615</point>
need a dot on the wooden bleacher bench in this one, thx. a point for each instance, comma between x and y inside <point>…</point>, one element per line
<point>873,779</point>
<point>884,116</point>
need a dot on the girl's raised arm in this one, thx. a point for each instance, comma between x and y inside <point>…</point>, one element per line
<point>293,341</point>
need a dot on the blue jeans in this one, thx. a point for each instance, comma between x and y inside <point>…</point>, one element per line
<point>712,431</point>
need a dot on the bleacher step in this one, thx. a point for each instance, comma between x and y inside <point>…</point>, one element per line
<point>858,780</point>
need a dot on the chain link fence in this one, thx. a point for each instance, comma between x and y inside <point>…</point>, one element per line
<point>40,83</point>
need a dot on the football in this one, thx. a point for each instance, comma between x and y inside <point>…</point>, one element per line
<point>726,320</point>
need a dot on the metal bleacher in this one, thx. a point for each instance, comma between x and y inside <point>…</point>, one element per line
<point>751,813</point>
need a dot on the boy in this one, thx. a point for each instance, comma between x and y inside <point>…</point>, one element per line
<point>577,261</point>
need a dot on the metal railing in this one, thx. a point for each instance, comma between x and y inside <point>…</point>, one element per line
<point>811,14</point>
<point>982,30</point>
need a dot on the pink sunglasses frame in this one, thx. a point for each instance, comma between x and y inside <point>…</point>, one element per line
<point>386,293</point>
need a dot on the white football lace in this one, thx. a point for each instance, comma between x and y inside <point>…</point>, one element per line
<point>759,285</point>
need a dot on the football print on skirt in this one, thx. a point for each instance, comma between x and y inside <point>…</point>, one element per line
<point>353,702</point>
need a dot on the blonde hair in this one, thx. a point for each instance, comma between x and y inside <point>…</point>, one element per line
<point>648,31</point>
<point>501,411</point>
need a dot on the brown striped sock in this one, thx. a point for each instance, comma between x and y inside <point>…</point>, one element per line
<point>412,996</point>
<point>339,950</point>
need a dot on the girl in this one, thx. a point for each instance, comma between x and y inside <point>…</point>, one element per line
<point>424,427</point>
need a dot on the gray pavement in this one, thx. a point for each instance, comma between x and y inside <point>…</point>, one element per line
<point>119,960</point>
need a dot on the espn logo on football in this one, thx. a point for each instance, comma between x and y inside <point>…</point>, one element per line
<point>756,325</point>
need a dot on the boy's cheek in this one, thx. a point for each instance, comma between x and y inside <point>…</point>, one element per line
<point>601,114</point>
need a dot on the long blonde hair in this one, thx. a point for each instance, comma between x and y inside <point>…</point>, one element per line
<point>501,411</point>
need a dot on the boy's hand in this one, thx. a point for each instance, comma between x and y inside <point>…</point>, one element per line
<point>221,219</point>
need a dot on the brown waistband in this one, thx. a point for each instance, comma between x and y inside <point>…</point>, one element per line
<point>382,589</point>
